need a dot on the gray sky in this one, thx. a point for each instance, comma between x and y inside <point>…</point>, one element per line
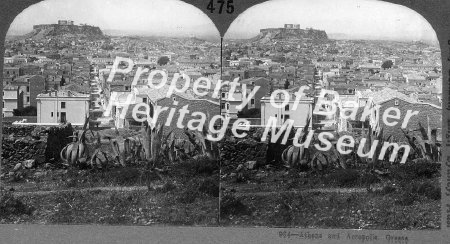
<point>365,19</point>
<point>355,18</point>
<point>157,17</point>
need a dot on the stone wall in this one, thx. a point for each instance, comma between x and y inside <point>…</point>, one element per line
<point>22,143</point>
<point>39,143</point>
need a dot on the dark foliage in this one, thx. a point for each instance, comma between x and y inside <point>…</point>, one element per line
<point>344,178</point>
<point>27,111</point>
<point>210,186</point>
<point>12,206</point>
<point>230,205</point>
<point>250,113</point>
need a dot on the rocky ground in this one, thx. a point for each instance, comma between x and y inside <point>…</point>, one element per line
<point>38,189</point>
<point>260,192</point>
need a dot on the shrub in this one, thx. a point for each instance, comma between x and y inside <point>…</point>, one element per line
<point>386,190</point>
<point>368,178</point>
<point>188,196</point>
<point>126,176</point>
<point>12,206</point>
<point>344,177</point>
<point>229,205</point>
<point>204,166</point>
<point>167,187</point>
<point>244,176</point>
<point>427,189</point>
<point>250,113</point>
<point>210,187</point>
<point>411,171</point>
<point>406,199</point>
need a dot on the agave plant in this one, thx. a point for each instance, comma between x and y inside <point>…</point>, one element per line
<point>76,152</point>
<point>99,158</point>
<point>424,145</point>
<point>201,143</point>
<point>152,143</point>
<point>297,156</point>
<point>370,138</point>
<point>133,149</point>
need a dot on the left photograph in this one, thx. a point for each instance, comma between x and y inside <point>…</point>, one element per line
<point>108,112</point>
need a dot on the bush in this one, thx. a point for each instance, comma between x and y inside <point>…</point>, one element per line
<point>204,166</point>
<point>12,206</point>
<point>427,189</point>
<point>406,199</point>
<point>368,178</point>
<point>188,196</point>
<point>210,187</point>
<point>126,176</point>
<point>27,111</point>
<point>412,171</point>
<point>386,190</point>
<point>344,177</point>
<point>229,205</point>
<point>167,187</point>
<point>250,113</point>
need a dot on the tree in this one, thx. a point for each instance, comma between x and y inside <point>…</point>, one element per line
<point>27,111</point>
<point>62,82</point>
<point>163,60</point>
<point>250,113</point>
<point>286,84</point>
<point>387,64</point>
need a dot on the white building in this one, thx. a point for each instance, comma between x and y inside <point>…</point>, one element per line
<point>299,114</point>
<point>10,99</point>
<point>62,106</point>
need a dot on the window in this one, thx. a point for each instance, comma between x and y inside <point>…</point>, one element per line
<point>63,104</point>
<point>286,117</point>
<point>3,104</point>
<point>223,94</point>
<point>252,101</point>
<point>222,106</point>
<point>28,99</point>
<point>228,106</point>
<point>144,100</point>
<point>396,102</point>
<point>286,108</point>
<point>28,89</point>
<point>174,98</point>
<point>51,114</point>
<point>127,88</point>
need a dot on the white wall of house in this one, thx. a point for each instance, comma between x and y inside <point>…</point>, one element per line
<point>299,115</point>
<point>50,109</point>
<point>231,104</point>
<point>9,102</point>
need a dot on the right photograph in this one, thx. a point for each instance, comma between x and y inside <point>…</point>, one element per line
<point>335,117</point>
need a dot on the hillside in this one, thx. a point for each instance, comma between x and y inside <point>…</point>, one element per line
<point>54,30</point>
<point>273,34</point>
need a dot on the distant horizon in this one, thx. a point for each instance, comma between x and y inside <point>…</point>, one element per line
<point>350,19</point>
<point>130,33</point>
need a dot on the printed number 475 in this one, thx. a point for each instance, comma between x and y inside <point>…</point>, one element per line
<point>221,3</point>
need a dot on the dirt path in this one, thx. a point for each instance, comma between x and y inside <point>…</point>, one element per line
<point>106,188</point>
<point>322,190</point>
<point>144,188</point>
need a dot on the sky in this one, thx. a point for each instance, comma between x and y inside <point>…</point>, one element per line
<point>154,17</point>
<point>358,19</point>
<point>351,19</point>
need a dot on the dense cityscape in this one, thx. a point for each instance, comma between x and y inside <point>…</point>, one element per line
<point>63,90</point>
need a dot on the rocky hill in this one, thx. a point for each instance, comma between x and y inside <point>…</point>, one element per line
<point>55,30</point>
<point>274,34</point>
